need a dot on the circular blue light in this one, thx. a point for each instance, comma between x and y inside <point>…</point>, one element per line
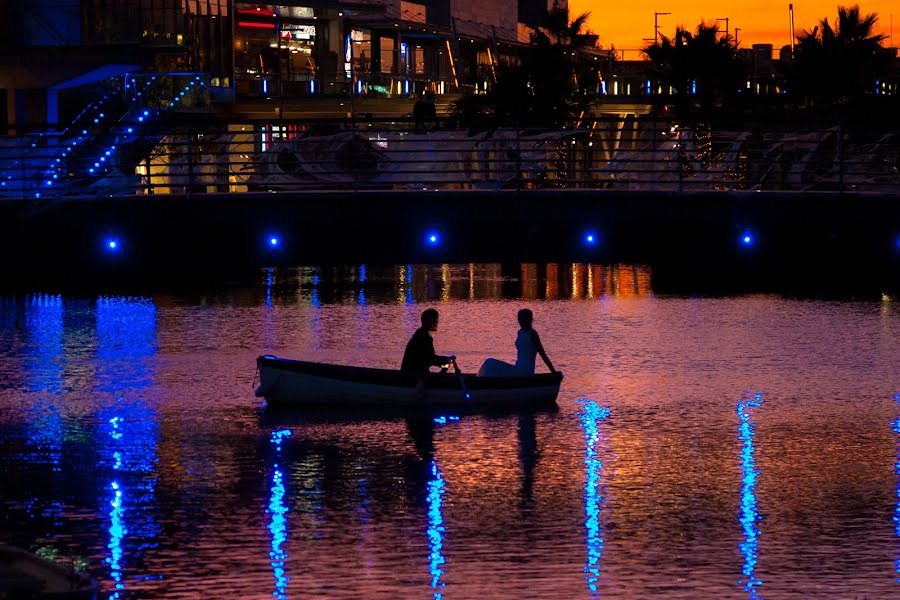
<point>747,238</point>
<point>274,241</point>
<point>433,238</point>
<point>590,238</point>
<point>112,244</point>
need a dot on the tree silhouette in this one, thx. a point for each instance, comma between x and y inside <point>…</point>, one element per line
<point>839,64</point>
<point>701,68</point>
<point>541,88</point>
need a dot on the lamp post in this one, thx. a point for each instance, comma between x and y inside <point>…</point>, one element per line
<point>791,10</point>
<point>736,30</point>
<point>726,25</point>
<point>656,16</point>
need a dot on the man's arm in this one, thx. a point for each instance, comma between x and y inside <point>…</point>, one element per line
<point>436,360</point>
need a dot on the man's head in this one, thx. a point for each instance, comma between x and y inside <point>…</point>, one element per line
<point>525,318</point>
<point>430,319</point>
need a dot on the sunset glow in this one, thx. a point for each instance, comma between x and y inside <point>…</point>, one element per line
<point>760,21</point>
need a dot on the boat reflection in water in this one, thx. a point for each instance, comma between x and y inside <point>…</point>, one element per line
<point>749,514</point>
<point>592,415</point>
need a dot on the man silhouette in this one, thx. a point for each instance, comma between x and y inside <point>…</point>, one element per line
<point>419,356</point>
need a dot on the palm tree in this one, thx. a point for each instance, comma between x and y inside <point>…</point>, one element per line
<point>700,68</point>
<point>560,61</point>
<point>540,88</point>
<point>839,64</point>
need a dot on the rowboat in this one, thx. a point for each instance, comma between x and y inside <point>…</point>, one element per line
<point>26,575</point>
<point>287,382</point>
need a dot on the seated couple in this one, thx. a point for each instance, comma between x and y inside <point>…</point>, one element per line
<point>420,356</point>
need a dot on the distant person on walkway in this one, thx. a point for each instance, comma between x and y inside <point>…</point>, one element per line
<point>424,111</point>
<point>419,356</point>
<point>528,346</point>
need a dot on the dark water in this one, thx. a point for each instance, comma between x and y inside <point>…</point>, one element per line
<point>723,448</point>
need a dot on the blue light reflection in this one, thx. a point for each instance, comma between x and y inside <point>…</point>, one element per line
<point>126,347</point>
<point>117,532</point>
<point>278,519</point>
<point>436,530</point>
<point>895,427</point>
<point>591,415</point>
<point>409,284</point>
<point>749,514</point>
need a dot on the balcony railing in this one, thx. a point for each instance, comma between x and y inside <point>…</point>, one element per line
<point>603,154</point>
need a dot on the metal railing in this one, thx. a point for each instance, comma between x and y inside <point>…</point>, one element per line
<point>637,154</point>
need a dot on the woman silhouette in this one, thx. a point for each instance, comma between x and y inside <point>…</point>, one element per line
<point>528,346</point>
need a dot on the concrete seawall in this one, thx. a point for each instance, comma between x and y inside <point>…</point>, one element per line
<point>804,234</point>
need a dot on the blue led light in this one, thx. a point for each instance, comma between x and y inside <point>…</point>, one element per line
<point>274,241</point>
<point>590,238</point>
<point>433,238</point>
<point>747,239</point>
<point>112,245</point>
<point>445,420</point>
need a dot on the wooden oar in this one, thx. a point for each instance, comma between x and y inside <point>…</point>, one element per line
<point>462,380</point>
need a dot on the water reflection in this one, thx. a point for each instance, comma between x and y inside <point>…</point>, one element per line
<point>436,530</point>
<point>44,327</point>
<point>591,415</point>
<point>126,344</point>
<point>895,427</point>
<point>278,518</point>
<point>412,284</point>
<point>749,515</point>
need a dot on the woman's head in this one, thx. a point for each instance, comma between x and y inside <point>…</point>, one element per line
<point>525,318</point>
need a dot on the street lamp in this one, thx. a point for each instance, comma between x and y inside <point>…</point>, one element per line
<point>656,16</point>
<point>736,30</point>
<point>726,25</point>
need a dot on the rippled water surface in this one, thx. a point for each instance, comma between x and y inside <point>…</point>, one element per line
<point>721,447</point>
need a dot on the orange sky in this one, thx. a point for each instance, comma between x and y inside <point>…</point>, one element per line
<point>624,24</point>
